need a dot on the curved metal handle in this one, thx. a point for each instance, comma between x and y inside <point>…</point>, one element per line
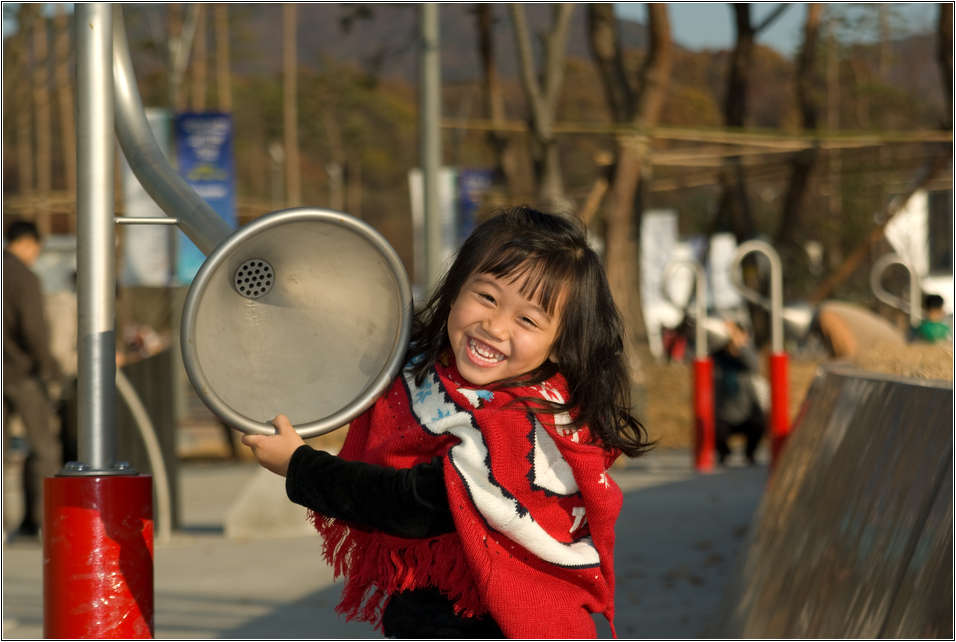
<point>172,194</point>
<point>775,304</point>
<point>876,284</point>
<point>700,308</point>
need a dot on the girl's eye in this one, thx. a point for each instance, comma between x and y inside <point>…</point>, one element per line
<point>486,297</point>
<point>529,321</point>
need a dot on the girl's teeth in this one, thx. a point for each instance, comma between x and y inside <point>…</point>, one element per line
<point>485,352</point>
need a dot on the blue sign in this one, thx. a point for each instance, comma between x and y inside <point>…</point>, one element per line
<point>205,158</point>
<point>472,186</point>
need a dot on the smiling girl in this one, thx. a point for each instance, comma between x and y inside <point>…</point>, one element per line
<point>472,499</point>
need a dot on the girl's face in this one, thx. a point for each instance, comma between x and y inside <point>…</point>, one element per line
<point>496,332</point>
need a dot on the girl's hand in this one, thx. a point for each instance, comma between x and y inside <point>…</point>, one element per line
<point>273,452</point>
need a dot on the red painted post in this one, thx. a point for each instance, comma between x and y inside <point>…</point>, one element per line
<point>98,556</point>
<point>704,437</point>
<point>779,412</point>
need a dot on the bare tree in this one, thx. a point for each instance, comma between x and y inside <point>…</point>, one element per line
<point>940,159</point>
<point>944,48</point>
<point>808,101</point>
<point>223,76</point>
<point>19,51</point>
<point>199,82</point>
<point>733,209</point>
<point>293,191</point>
<point>181,33</point>
<point>637,104</point>
<point>499,142</point>
<point>41,106</point>
<point>542,100</point>
<point>64,94</point>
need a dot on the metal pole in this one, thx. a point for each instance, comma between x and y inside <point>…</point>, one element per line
<point>196,218</point>
<point>775,304</point>
<point>96,252</point>
<point>95,584</point>
<point>429,127</point>
<point>703,384</point>
<point>778,363</point>
<point>914,305</point>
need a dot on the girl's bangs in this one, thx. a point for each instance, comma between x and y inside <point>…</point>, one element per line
<point>543,276</point>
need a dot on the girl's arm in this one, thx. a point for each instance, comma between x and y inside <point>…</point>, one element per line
<point>409,502</point>
<point>404,502</point>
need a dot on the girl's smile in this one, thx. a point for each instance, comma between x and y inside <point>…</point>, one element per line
<point>496,332</point>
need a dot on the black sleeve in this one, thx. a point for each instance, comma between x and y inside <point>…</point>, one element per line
<point>408,502</point>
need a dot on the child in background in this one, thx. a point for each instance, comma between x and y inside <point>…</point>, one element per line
<point>933,328</point>
<point>472,499</point>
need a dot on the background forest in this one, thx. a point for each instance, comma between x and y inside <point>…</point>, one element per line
<point>575,108</point>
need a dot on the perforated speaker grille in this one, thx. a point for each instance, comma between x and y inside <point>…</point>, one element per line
<point>254,278</point>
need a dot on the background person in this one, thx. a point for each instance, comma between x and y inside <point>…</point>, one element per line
<point>933,328</point>
<point>738,407</point>
<point>30,372</point>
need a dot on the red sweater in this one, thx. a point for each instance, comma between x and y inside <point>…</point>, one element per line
<point>532,503</point>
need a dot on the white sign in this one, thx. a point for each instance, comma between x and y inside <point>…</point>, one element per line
<point>908,232</point>
<point>147,249</point>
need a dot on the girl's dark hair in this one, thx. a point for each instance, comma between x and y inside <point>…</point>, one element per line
<point>548,252</point>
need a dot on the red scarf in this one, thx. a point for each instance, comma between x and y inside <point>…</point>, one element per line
<point>534,509</point>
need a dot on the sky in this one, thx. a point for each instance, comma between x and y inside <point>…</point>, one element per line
<point>708,25</point>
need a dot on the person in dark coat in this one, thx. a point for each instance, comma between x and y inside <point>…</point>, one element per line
<point>30,372</point>
<point>737,406</point>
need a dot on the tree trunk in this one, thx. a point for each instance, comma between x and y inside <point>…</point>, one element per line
<point>64,91</point>
<point>543,101</point>
<point>945,57</point>
<point>23,107</point>
<point>41,105</point>
<point>199,82</point>
<point>802,164</point>
<point>223,75</point>
<point>353,187</point>
<point>641,107</point>
<point>290,109</point>
<point>505,172</point>
<point>733,212</point>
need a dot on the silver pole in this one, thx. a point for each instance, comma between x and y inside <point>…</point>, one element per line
<point>429,127</point>
<point>914,305</point>
<point>196,218</point>
<point>96,261</point>
<point>700,306</point>
<point>776,287</point>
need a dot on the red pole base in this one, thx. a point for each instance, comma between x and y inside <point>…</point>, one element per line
<point>704,438</point>
<point>98,557</point>
<point>779,411</point>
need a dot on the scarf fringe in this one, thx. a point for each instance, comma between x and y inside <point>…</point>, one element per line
<point>376,566</point>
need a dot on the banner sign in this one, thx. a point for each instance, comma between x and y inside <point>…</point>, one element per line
<point>146,248</point>
<point>204,152</point>
<point>473,184</point>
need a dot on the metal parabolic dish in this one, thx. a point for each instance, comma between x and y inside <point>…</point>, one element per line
<point>305,312</point>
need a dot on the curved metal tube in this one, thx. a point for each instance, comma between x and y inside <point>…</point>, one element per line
<point>173,195</point>
<point>776,287</point>
<point>700,299</point>
<point>153,452</point>
<point>876,284</point>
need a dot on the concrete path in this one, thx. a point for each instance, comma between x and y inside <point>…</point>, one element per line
<point>677,541</point>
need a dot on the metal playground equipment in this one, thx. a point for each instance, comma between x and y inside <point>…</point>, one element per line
<point>301,299</point>
<point>778,366</point>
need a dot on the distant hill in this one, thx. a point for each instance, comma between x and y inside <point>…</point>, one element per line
<point>380,37</point>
